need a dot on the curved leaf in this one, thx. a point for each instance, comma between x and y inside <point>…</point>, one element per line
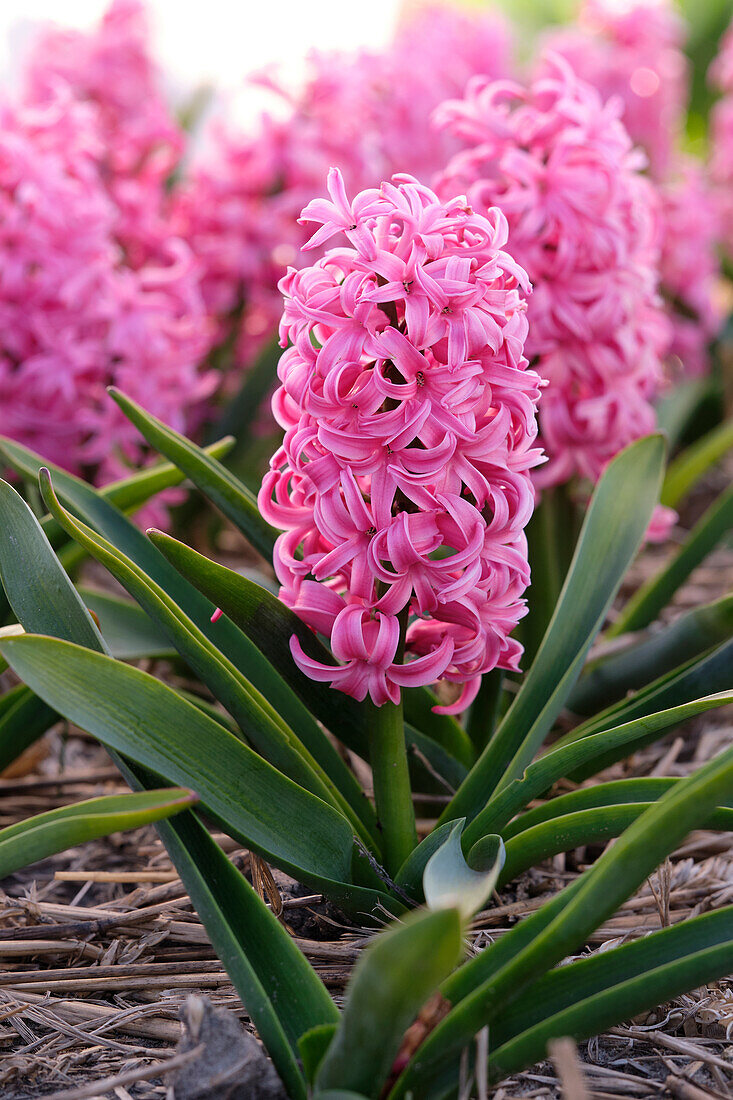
<point>271,625</point>
<point>44,835</point>
<point>391,982</point>
<point>615,523</point>
<point>214,480</point>
<point>686,470</point>
<point>607,746</point>
<point>563,833</point>
<point>450,883</point>
<point>258,720</point>
<point>610,678</point>
<point>281,991</point>
<point>499,974</point>
<point>656,593</point>
<point>37,588</point>
<point>646,990</point>
<point>145,720</point>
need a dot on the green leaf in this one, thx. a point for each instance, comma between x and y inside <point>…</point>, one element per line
<point>615,523</point>
<point>686,470</point>
<point>281,991</point>
<point>486,984</point>
<point>597,825</point>
<point>44,835</point>
<point>145,720</point>
<point>214,480</point>
<point>391,982</point>
<point>129,633</point>
<point>258,720</point>
<point>707,674</point>
<point>656,593</point>
<point>23,719</point>
<point>37,588</point>
<point>576,982</point>
<point>130,493</point>
<point>691,961</point>
<point>271,625</point>
<point>610,678</point>
<point>312,1047</point>
<point>607,747</point>
<point>616,792</point>
<point>450,883</point>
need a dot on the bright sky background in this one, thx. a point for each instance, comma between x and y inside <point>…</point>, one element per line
<point>216,41</point>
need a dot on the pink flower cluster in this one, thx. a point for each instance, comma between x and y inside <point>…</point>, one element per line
<point>140,143</point>
<point>403,481</point>
<point>74,317</point>
<point>368,113</point>
<point>690,266</point>
<point>633,50</point>
<point>721,132</point>
<point>582,223</point>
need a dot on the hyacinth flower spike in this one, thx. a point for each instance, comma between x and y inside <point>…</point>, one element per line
<point>403,483</point>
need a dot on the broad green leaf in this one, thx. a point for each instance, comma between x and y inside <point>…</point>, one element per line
<point>615,523</point>
<point>129,633</point>
<point>610,678</point>
<point>41,836</point>
<point>616,792</point>
<point>109,522</point>
<point>483,989</point>
<point>281,991</point>
<point>23,719</point>
<point>37,588</point>
<point>450,883</point>
<point>214,480</point>
<point>149,723</point>
<point>607,747</point>
<point>576,983</point>
<point>391,982</point>
<point>312,1047</point>
<point>656,593</point>
<point>130,493</point>
<point>703,675</point>
<point>597,825</point>
<point>271,625</point>
<point>646,988</point>
<point>259,721</point>
<point>686,470</point>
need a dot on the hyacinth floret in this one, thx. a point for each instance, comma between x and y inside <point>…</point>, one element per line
<point>403,482</point>
<point>583,223</point>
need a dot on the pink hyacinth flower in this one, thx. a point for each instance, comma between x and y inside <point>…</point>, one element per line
<point>583,223</point>
<point>403,482</point>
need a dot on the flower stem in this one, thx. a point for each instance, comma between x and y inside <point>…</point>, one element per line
<point>392,793</point>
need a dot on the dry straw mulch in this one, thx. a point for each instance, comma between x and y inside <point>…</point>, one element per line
<point>100,947</point>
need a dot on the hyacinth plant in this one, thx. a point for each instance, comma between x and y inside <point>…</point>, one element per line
<point>401,493</point>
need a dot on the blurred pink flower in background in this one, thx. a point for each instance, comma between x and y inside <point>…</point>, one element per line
<point>140,142</point>
<point>74,316</point>
<point>582,222</point>
<point>721,137</point>
<point>689,265</point>
<point>368,113</point>
<point>633,50</point>
<point>410,428</point>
